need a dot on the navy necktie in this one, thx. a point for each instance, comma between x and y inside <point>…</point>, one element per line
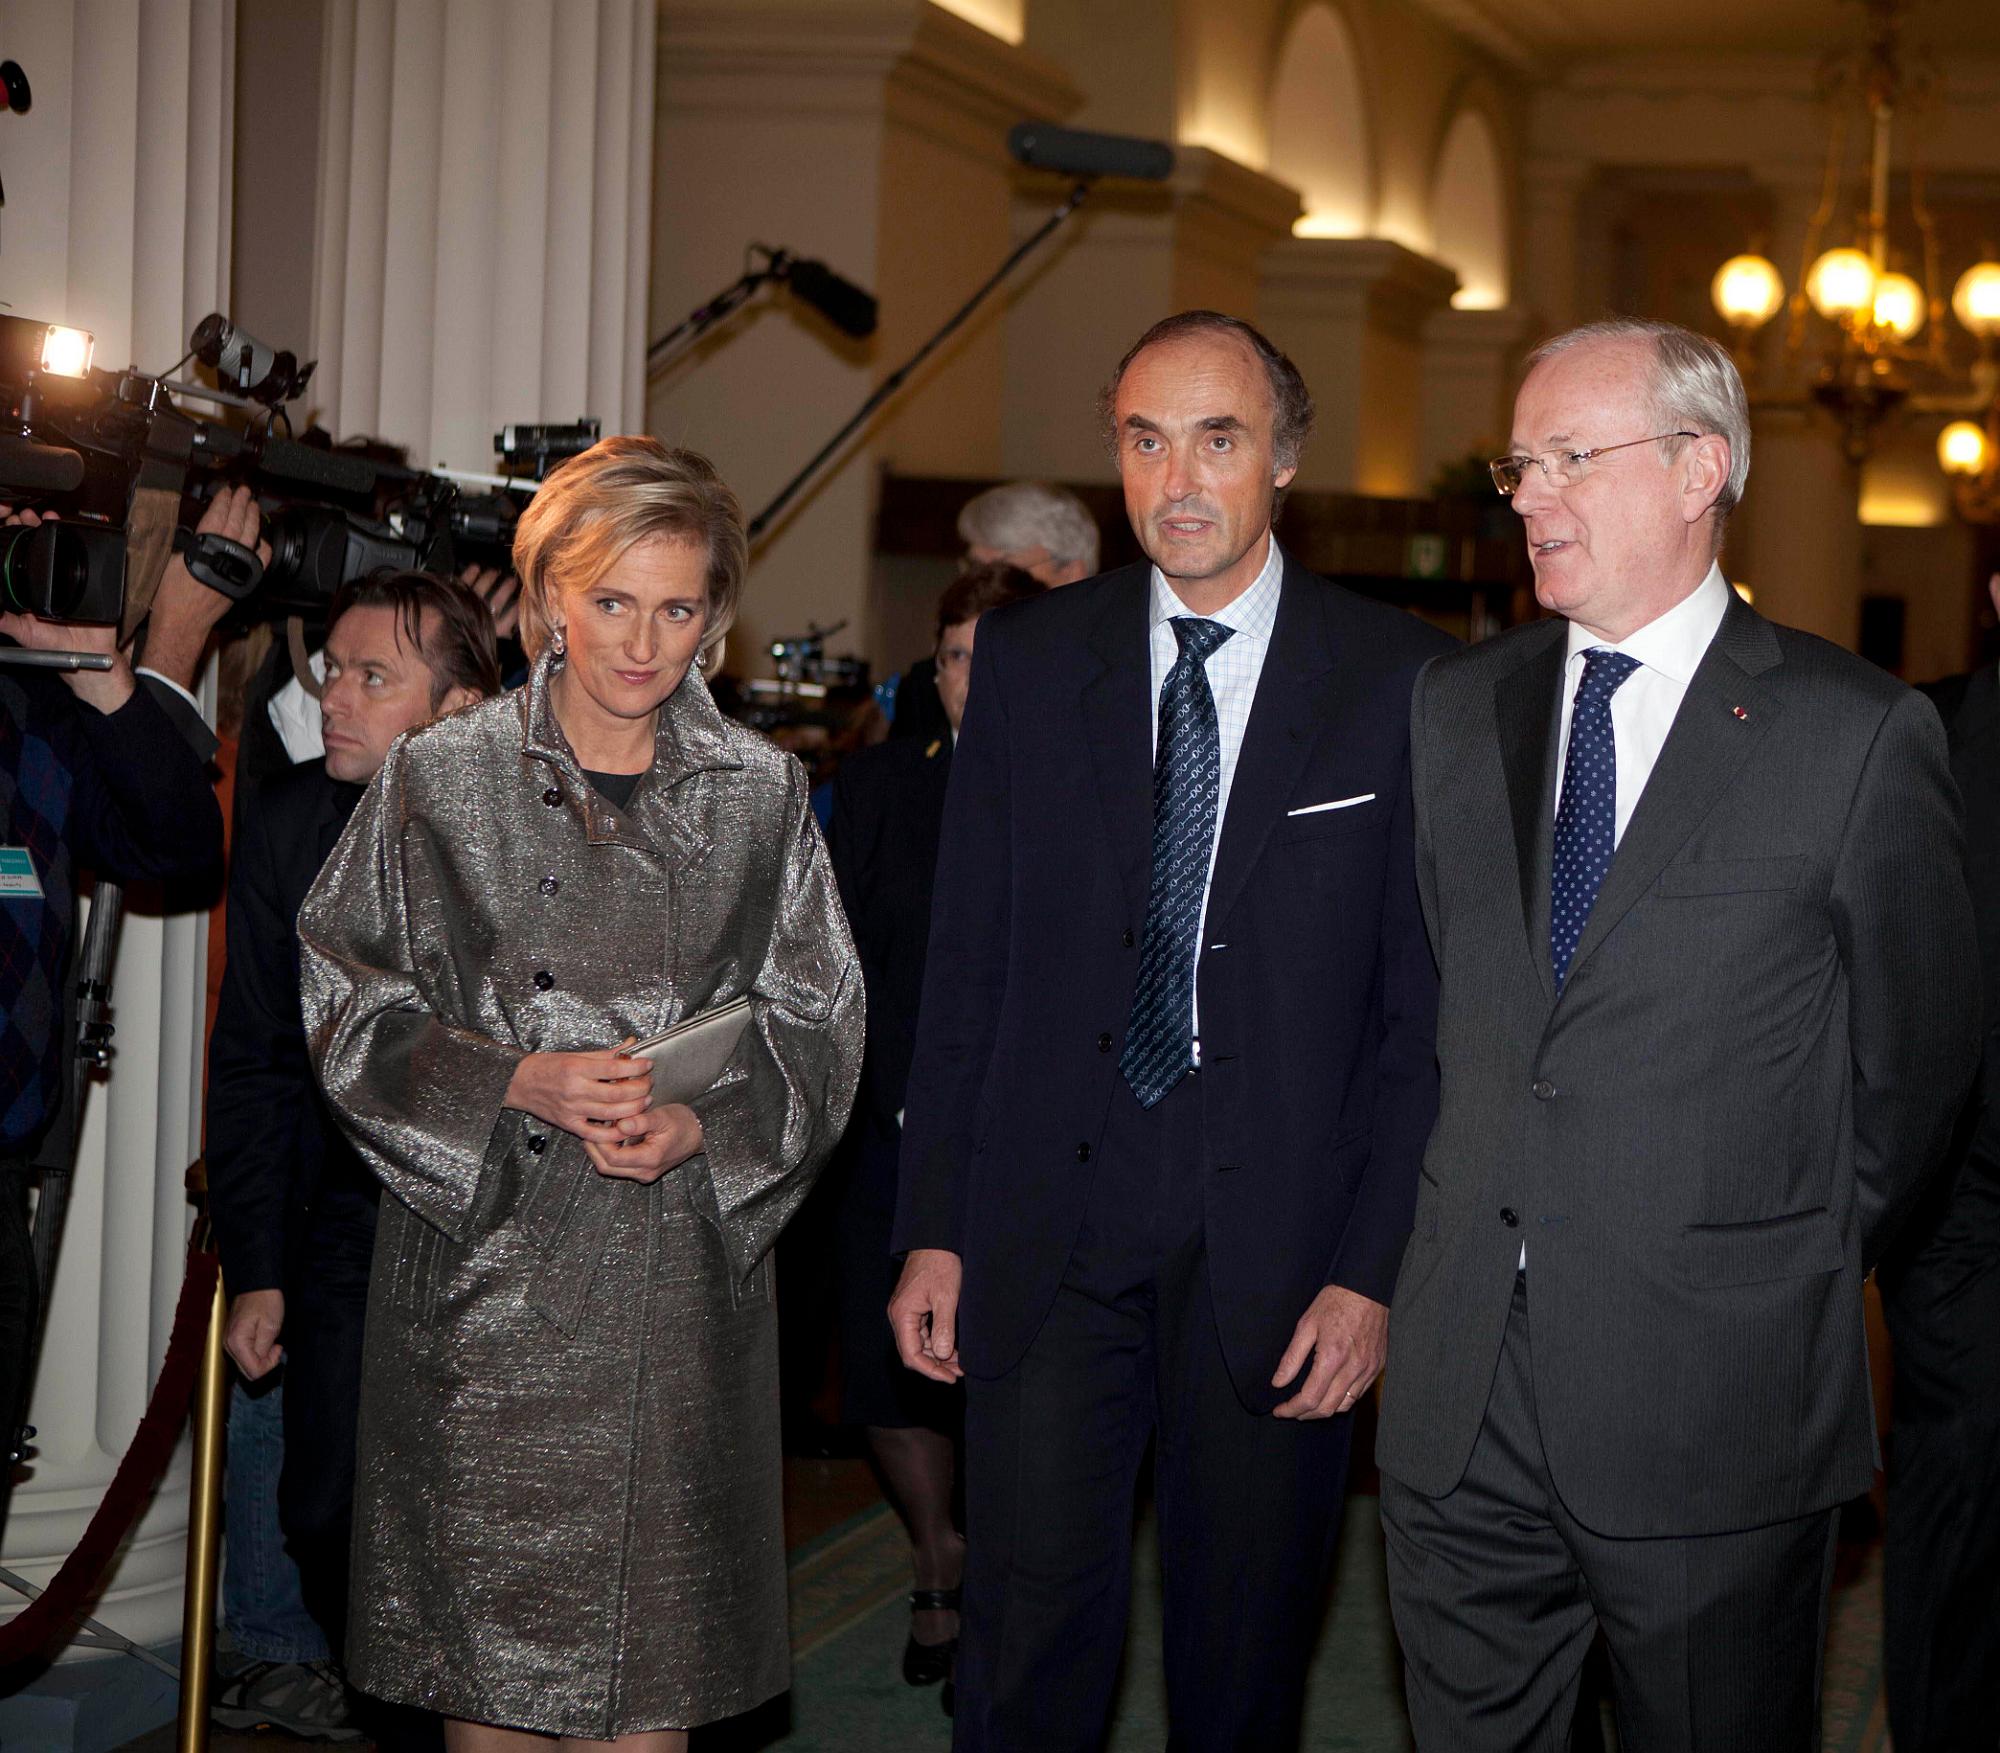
<point>1187,781</point>
<point>1587,815</point>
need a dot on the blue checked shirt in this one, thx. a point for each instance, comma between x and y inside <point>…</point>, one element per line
<point>1232,675</point>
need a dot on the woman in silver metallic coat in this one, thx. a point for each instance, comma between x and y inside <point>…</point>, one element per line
<point>567,1519</point>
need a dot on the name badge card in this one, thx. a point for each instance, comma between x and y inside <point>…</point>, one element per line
<point>18,881</point>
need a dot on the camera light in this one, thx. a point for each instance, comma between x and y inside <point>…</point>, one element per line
<point>66,352</point>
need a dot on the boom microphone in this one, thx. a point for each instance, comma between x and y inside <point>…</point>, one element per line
<point>840,301</point>
<point>1076,153</point>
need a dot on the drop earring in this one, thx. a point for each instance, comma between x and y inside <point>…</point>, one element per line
<point>556,644</point>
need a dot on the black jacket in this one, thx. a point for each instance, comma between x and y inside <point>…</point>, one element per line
<point>1316,984</point>
<point>276,1161</point>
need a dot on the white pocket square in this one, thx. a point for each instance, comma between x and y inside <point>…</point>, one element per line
<point>1339,803</point>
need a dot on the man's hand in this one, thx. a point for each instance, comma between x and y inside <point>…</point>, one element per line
<point>256,1318</point>
<point>1347,1337</point>
<point>500,592</point>
<point>924,1313</point>
<point>185,610</point>
<point>648,1145</point>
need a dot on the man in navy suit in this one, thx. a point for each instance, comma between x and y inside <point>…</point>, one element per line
<point>1174,1072</point>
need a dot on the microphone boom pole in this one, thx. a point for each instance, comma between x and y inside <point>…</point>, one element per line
<point>897,378</point>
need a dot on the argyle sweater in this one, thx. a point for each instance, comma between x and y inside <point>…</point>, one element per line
<point>117,793</point>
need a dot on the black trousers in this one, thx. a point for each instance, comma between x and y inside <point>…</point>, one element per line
<point>1941,1558</point>
<point>326,1308</point>
<point>20,1303</point>
<point>1715,1641</point>
<point>1249,1505</point>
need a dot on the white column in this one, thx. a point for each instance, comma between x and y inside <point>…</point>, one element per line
<point>484,219</point>
<point>118,221</point>
<point>1470,372</point>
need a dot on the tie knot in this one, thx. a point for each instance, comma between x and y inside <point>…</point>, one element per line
<point>1201,637</point>
<point>1604,672</point>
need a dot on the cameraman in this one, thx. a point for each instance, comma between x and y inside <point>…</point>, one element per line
<point>104,770</point>
<point>293,1207</point>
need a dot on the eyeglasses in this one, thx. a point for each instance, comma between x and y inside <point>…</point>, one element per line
<point>1562,468</point>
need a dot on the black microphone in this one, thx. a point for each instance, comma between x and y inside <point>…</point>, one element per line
<point>840,301</point>
<point>39,468</point>
<point>1076,153</point>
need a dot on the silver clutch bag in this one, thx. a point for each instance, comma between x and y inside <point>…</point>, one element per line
<point>690,1056</point>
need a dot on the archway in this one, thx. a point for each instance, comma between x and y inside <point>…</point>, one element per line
<point>1319,126</point>
<point>1469,213</point>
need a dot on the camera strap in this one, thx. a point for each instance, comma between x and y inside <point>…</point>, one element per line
<point>219,563</point>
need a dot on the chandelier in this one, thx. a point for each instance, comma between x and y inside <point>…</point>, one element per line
<point>1881,337</point>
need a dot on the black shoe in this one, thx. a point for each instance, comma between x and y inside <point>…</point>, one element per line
<point>925,1664</point>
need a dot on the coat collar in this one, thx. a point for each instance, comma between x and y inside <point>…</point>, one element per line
<point>691,737</point>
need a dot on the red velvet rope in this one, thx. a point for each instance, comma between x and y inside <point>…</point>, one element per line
<point>70,1590</point>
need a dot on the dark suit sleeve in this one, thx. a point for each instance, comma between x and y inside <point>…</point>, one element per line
<point>965,971</point>
<point>142,808</point>
<point>1903,927</point>
<point>259,1079</point>
<point>1371,1248</point>
<point>188,723</point>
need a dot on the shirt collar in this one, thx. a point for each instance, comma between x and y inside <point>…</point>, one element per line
<point>1673,643</point>
<point>1252,615</point>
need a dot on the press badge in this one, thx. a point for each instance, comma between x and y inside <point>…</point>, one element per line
<point>18,881</point>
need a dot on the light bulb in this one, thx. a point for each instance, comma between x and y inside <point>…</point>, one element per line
<point>1962,448</point>
<point>1841,282</point>
<point>66,352</point>
<point>1976,299</point>
<point>1898,306</point>
<point>1747,291</point>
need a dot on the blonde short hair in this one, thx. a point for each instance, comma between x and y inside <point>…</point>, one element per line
<point>621,491</point>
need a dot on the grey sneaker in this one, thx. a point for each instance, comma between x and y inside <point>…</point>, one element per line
<point>303,1698</point>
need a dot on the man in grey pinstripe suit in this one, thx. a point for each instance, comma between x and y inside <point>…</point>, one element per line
<point>1695,1062</point>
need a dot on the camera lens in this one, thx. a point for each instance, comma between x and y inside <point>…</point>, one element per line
<point>43,571</point>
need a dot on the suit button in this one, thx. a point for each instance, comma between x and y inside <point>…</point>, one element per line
<point>1083,1153</point>
<point>1126,939</point>
<point>538,1144</point>
<point>550,885</point>
<point>1509,1217</point>
<point>552,797</point>
<point>1544,1090</point>
<point>1104,1043</point>
<point>543,979</point>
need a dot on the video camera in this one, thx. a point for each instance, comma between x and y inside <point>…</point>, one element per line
<point>110,451</point>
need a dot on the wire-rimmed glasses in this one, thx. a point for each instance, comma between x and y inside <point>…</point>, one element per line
<point>1562,468</point>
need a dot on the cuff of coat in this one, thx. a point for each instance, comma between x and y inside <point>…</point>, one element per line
<point>731,1168</point>
<point>451,1196</point>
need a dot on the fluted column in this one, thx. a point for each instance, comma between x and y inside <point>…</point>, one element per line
<point>118,221</point>
<point>484,216</point>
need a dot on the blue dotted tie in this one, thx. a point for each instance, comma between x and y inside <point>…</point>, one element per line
<point>1587,815</point>
<point>1187,781</point>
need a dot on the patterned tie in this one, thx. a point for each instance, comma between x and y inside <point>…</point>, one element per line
<point>1587,815</point>
<point>1187,781</point>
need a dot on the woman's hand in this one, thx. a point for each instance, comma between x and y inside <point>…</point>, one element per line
<point>586,1094</point>
<point>646,1147</point>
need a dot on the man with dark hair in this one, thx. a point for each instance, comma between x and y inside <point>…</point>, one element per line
<point>294,1209</point>
<point>888,806</point>
<point>1173,1076</point>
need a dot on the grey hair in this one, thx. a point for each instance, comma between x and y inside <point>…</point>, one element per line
<point>1019,515</point>
<point>1693,383</point>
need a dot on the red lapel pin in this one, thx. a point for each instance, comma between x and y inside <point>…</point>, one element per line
<point>1740,713</point>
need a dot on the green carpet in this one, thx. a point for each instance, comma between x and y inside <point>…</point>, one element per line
<point>848,1624</point>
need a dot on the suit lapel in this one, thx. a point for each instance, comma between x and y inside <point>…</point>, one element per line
<point>1118,719</point>
<point>1285,718</point>
<point>1726,713</point>
<point>1527,704</point>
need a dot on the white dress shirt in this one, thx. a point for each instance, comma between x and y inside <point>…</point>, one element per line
<point>1232,670</point>
<point>1669,650</point>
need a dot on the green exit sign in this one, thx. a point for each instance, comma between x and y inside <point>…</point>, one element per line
<point>1425,556</point>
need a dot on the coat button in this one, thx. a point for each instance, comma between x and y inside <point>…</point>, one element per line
<point>1510,1217</point>
<point>550,885</point>
<point>1083,1153</point>
<point>1127,939</point>
<point>543,979</point>
<point>552,797</point>
<point>1544,1090</point>
<point>538,1144</point>
<point>1104,1043</point>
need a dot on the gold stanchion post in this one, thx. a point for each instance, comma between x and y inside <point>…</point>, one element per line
<point>211,1398</point>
